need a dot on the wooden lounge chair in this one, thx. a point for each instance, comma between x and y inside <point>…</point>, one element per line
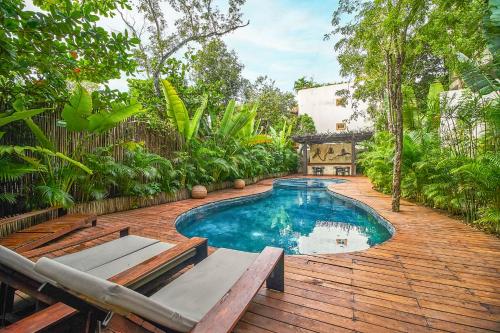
<point>42,233</point>
<point>210,297</point>
<point>133,261</point>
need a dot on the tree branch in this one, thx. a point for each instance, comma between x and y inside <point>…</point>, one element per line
<point>182,43</point>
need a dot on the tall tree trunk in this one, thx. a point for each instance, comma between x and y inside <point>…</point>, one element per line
<point>397,100</point>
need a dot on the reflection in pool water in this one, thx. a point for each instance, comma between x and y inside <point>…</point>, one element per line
<point>300,219</point>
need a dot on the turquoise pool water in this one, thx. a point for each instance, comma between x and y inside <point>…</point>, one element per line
<point>298,215</point>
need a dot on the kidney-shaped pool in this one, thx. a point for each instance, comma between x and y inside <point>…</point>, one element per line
<point>299,215</point>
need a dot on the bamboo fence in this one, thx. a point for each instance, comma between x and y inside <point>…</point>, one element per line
<point>162,143</point>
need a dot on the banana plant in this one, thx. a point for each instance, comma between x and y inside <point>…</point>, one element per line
<point>78,113</point>
<point>176,110</point>
<point>281,139</point>
<point>240,125</point>
<point>17,161</point>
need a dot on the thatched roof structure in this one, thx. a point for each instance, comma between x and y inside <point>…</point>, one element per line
<point>333,137</point>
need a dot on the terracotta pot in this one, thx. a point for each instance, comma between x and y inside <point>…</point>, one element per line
<point>239,184</point>
<point>199,192</point>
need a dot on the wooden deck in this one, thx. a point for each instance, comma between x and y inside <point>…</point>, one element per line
<point>43,233</point>
<point>435,275</point>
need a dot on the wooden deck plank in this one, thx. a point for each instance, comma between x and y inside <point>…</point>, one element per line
<point>435,275</point>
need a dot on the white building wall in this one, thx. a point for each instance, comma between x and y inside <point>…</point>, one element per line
<point>320,104</point>
<point>452,99</point>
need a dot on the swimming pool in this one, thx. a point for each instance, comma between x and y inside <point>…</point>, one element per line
<point>299,215</point>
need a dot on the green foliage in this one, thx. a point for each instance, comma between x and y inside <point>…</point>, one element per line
<point>491,28</point>
<point>274,105</point>
<point>303,124</point>
<point>11,169</point>
<point>458,172</point>
<point>141,173</point>
<point>7,118</point>
<point>56,42</point>
<point>377,161</point>
<point>304,83</point>
<point>240,124</point>
<point>483,76</point>
<point>481,79</point>
<point>433,113</point>
<point>77,110</point>
<point>78,115</point>
<point>216,72</point>
<point>409,108</point>
<point>176,110</point>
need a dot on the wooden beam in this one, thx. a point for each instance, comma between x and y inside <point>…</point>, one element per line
<point>133,274</point>
<point>41,320</point>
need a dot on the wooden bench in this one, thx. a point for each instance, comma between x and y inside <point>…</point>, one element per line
<point>11,224</point>
<point>42,233</point>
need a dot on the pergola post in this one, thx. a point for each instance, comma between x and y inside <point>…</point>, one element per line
<point>353,157</point>
<point>304,147</point>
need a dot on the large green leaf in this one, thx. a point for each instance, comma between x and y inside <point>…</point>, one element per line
<point>175,107</point>
<point>237,125</point>
<point>20,151</point>
<point>481,80</point>
<point>240,121</point>
<point>20,115</point>
<point>77,110</point>
<point>39,135</point>
<point>103,121</point>
<point>226,118</point>
<point>194,124</point>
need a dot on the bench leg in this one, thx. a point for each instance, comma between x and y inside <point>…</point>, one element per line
<point>6,301</point>
<point>276,280</point>
<point>201,252</point>
<point>124,232</point>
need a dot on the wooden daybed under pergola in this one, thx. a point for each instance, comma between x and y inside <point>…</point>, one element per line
<point>332,151</point>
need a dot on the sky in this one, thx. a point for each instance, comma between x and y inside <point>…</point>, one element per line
<point>284,41</point>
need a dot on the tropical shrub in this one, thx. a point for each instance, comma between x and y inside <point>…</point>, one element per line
<point>457,170</point>
<point>141,173</point>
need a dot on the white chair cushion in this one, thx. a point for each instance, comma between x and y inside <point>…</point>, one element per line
<point>19,264</point>
<point>123,263</point>
<point>99,255</point>
<point>112,296</point>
